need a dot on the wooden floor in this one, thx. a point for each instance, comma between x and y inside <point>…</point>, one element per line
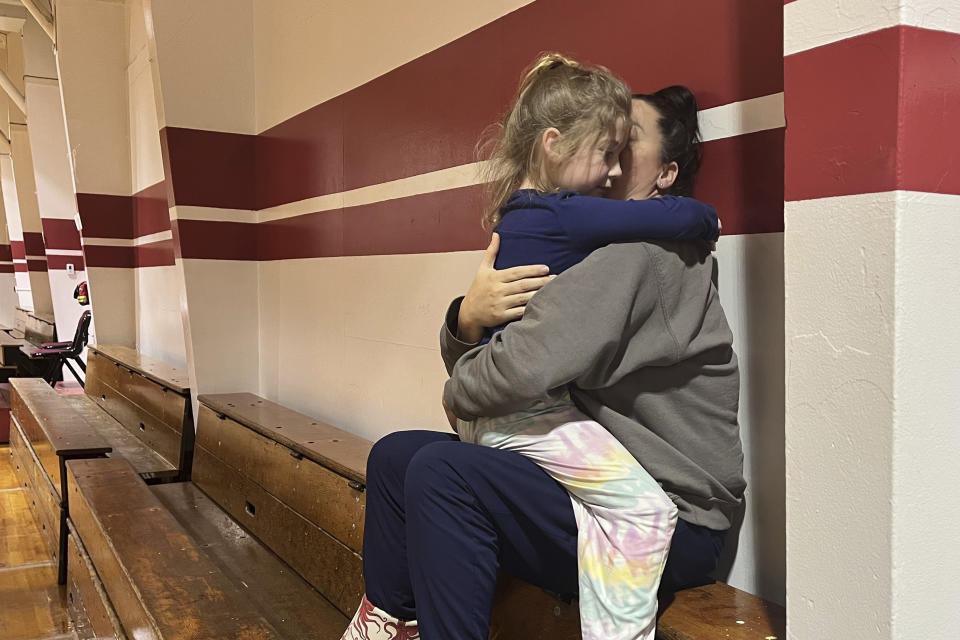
<point>31,603</point>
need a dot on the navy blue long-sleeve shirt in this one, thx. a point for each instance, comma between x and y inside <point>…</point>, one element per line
<point>561,229</point>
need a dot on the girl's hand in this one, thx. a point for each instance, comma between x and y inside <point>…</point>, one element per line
<point>497,297</point>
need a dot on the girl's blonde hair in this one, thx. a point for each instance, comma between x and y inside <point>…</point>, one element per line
<point>579,101</point>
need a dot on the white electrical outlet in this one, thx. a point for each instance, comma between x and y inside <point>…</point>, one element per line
<point>70,270</point>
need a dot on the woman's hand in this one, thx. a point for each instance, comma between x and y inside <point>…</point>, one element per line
<point>498,297</point>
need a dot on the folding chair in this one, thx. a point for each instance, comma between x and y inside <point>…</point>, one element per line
<point>62,353</point>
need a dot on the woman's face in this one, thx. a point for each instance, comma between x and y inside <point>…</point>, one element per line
<point>641,159</point>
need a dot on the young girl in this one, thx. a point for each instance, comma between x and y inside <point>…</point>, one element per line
<point>560,145</point>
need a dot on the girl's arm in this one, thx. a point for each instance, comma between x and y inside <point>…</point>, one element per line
<point>591,223</point>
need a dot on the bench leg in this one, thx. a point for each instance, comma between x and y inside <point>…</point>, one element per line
<point>64,510</point>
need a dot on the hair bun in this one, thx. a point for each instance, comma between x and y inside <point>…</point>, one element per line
<point>544,63</point>
<point>680,104</point>
<point>680,131</point>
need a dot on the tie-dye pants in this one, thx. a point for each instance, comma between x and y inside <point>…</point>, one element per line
<point>625,521</point>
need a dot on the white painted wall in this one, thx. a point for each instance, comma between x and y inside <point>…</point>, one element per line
<point>159,311</point>
<point>8,299</point>
<point>54,182</point>
<point>221,72</point>
<point>840,330</point>
<point>751,290</point>
<point>92,60</point>
<point>926,380</point>
<point>355,340</point>
<point>116,322</point>
<point>221,300</point>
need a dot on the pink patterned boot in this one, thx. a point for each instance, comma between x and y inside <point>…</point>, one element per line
<point>371,623</point>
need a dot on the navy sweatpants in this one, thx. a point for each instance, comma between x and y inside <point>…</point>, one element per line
<point>444,515</point>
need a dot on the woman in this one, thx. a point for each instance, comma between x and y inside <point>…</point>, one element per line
<point>443,516</point>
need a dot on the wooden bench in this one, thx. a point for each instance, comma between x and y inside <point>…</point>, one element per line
<point>128,394</point>
<point>31,331</point>
<point>44,434</point>
<point>36,327</point>
<point>10,355</point>
<point>295,481</point>
<point>47,429</point>
<point>174,565</point>
<point>287,489</point>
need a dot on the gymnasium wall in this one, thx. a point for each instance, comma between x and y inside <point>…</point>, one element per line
<point>325,200</point>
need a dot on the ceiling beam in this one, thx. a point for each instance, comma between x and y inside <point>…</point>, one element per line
<point>46,23</point>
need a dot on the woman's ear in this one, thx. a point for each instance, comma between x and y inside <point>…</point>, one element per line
<point>667,176</point>
<point>551,142</point>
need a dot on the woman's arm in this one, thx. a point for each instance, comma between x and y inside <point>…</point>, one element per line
<point>497,297</point>
<point>573,331</point>
<point>591,223</point>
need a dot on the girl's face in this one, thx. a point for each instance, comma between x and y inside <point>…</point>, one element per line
<point>594,164</point>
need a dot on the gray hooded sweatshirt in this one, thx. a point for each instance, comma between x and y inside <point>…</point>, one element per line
<point>637,332</point>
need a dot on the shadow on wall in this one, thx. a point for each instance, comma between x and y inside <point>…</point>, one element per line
<point>760,525</point>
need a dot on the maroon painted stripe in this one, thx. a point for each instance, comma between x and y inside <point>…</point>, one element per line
<point>892,128</point>
<point>36,265</point>
<point>6,254</point>
<point>6,268</point>
<point>929,157</point>
<point>59,263</point>
<point>33,243</point>
<point>209,168</point>
<point>106,216</point>
<point>20,267</point>
<point>428,114</point>
<point>104,256</point>
<point>742,177</point>
<point>17,250</point>
<point>155,254</point>
<point>151,213</point>
<point>60,233</point>
<point>216,240</point>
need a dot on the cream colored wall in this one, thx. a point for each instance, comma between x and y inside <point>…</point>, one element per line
<point>347,44</point>
<point>115,324</point>
<point>159,290</point>
<point>750,271</point>
<point>925,437</point>
<point>159,325</point>
<point>354,340</point>
<point>54,180</point>
<point>93,63</point>
<point>221,302</point>
<point>40,298</point>
<point>8,299</point>
<point>210,88</point>
<point>839,323</point>
<point>8,281</point>
<point>11,207</point>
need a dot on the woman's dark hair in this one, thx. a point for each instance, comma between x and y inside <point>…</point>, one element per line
<point>680,132</point>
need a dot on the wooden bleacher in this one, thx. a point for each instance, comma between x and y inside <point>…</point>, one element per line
<point>142,406</point>
<point>44,434</point>
<point>31,330</point>
<point>266,540</point>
